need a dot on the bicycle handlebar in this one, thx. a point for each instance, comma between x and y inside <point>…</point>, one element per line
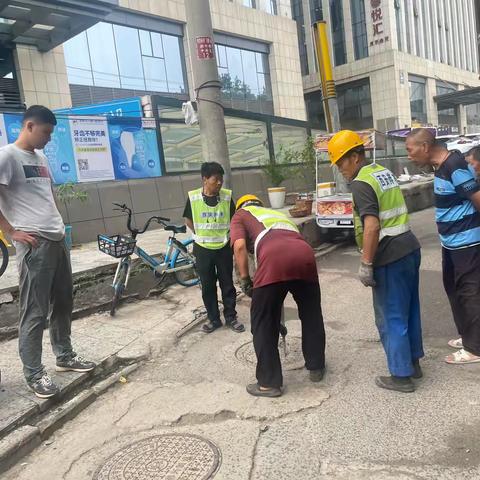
<point>136,231</point>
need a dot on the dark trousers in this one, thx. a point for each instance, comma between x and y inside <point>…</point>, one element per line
<point>461,278</point>
<point>265,313</point>
<point>213,265</point>
<point>397,313</point>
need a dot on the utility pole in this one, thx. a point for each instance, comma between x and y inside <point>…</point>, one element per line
<point>207,85</point>
<point>329,94</point>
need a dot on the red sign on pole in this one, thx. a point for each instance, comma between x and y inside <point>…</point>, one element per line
<point>205,48</point>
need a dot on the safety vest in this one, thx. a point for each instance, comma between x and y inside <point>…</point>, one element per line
<point>212,224</point>
<point>271,220</point>
<point>393,213</point>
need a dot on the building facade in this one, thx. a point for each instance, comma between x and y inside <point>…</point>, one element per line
<point>392,59</point>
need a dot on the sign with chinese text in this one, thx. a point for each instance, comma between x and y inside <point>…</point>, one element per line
<point>205,49</point>
<point>379,32</point>
<point>91,149</point>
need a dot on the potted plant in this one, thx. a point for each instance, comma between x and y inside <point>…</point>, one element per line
<point>66,193</point>
<point>275,172</point>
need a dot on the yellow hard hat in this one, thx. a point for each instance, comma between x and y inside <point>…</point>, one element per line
<point>247,198</point>
<point>341,143</point>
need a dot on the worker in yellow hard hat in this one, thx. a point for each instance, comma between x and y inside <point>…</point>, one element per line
<point>390,259</point>
<point>285,263</point>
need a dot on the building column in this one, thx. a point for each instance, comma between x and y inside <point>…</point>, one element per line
<point>431,105</point>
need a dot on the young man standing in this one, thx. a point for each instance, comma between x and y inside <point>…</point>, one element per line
<point>29,216</point>
<point>390,259</point>
<point>207,214</point>
<point>457,202</point>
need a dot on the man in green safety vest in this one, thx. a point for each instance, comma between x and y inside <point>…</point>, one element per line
<point>285,263</point>
<point>390,259</point>
<point>207,213</point>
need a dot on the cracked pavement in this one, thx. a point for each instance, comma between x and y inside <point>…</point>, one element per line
<point>343,428</point>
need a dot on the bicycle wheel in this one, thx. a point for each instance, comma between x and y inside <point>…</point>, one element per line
<point>187,277</point>
<point>3,257</point>
<point>119,287</point>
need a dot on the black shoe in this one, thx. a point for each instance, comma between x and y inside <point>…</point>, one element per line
<point>211,327</point>
<point>317,375</point>
<point>417,370</point>
<point>44,387</point>
<point>255,390</point>
<point>398,384</point>
<point>75,364</point>
<point>235,325</point>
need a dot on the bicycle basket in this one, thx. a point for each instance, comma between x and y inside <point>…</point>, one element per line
<point>116,246</point>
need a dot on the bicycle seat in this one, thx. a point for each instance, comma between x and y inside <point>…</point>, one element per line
<point>176,228</point>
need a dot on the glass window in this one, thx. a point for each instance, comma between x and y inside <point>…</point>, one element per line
<point>103,55</point>
<point>173,64</point>
<point>407,25</point>
<point>77,59</point>
<point>270,6</point>
<point>338,32</point>
<point>446,116</point>
<point>417,99</point>
<point>289,137</point>
<point>123,57</point>
<point>182,147</point>
<point>355,104</point>
<point>248,3</point>
<point>129,58</point>
<point>245,79</point>
<point>297,15</point>
<point>398,23</point>
<point>155,75</point>
<point>247,142</point>
<point>316,10</point>
<point>359,27</point>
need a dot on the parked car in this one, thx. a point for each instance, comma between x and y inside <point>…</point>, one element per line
<point>462,144</point>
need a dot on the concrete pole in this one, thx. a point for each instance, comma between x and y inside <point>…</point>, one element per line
<point>207,85</point>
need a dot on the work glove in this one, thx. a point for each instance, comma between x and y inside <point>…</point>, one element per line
<point>246,285</point>
<point>365,274</point>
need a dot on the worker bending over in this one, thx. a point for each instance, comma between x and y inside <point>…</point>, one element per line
<point>285,263</point>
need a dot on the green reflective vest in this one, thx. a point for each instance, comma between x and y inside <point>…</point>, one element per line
<point>393,210</point>
<point>212,224</point>
<point>271,220</point>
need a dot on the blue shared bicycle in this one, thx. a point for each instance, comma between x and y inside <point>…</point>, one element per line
<point>178,258</point>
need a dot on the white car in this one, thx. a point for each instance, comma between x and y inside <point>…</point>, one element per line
<point>462,144</point>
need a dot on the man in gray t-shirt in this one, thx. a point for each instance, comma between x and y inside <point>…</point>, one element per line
<point>29,216</point>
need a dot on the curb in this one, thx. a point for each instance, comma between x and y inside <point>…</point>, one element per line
<point>23,440</point>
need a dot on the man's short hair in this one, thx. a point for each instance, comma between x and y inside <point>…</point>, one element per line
<point>39,114</point>
<point>211,168</point>
<point>475,153</point>
<point>422,135</point>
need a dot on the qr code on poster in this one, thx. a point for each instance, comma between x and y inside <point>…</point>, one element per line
<point>83,164</point>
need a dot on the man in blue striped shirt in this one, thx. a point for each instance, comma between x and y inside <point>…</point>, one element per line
<point>457,202</point>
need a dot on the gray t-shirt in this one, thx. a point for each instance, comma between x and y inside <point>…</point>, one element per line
<point>390,249</point>
<point>26,197</point>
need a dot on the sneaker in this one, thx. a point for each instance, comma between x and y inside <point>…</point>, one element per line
<point>44,387</point>
<point>75,364</point>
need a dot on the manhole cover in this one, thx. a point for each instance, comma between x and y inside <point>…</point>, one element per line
<point>292,361</point>
<point>169,457</point>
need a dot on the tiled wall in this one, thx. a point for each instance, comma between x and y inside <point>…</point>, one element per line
<point>42,77</point>
<point>164,196</point>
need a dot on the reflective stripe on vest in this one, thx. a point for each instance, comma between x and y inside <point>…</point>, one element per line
<point>271,220</point>
<point>212,224</point>
<point>393,213</point>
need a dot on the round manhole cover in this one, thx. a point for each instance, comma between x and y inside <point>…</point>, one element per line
<point>292,361</point>
<point>169,457</point>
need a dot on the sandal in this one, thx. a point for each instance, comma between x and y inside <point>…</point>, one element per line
<point>255,390</point>
<point>211,327</point>
<point>462,357</point>
<point>235,325</point>
<point>456,343</point>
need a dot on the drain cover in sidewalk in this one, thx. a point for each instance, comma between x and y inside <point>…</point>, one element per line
<point>170,456</point>
<point>293,361</point>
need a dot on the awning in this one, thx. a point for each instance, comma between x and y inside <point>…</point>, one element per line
<point>460,97</point>
<point>49,23</point>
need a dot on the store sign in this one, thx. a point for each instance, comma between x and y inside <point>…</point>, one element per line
<point>205,48</point>
<point>376,14</point>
